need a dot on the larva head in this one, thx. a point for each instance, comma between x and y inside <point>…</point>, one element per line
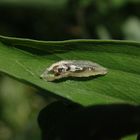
<point>56,71</point>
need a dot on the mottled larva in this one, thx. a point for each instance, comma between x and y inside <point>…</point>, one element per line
<point>72,68</point>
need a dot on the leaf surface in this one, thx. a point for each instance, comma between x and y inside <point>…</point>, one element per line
<point>26,60</point>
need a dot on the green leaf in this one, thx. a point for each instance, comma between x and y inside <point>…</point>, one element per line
<point>131,137</point>
<point>26,60</point>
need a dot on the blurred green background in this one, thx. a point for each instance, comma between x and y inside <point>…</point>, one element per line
<point>55,20</point>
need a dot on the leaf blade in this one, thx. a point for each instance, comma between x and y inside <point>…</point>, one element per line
<point>27,59</point>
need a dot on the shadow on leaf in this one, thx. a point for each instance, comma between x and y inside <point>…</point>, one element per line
<point>71,121</point>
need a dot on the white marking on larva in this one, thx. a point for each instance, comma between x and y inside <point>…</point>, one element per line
<point>89,69</point>
<point>73,68</point>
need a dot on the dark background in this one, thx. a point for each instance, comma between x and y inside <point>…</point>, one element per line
<point>55,20</point>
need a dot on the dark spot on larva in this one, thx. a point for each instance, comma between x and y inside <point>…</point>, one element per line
<point>60,70</point>
<point>68,68</point>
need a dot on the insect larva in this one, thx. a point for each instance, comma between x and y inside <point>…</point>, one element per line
<point>73,68</point>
